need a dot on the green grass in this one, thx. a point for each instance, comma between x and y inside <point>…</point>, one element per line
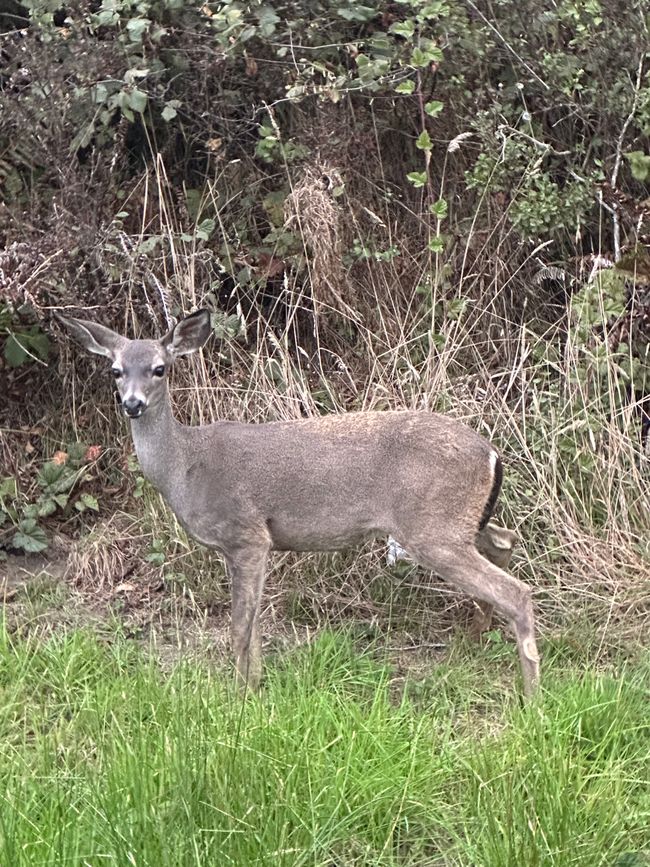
<point>106,760</point>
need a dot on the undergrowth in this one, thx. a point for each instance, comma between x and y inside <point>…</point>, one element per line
<point>373,223</point>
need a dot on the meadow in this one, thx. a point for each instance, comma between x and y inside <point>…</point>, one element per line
<point>105,759</point>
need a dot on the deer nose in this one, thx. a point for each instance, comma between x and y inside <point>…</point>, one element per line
<point>134,406</point>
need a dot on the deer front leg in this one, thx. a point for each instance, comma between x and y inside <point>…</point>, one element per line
<point>247,569</point>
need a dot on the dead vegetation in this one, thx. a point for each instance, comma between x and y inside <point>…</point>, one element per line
<point>336,285</point>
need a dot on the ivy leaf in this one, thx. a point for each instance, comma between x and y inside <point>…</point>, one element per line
<point>357,13</point>
<point>434,107</point>
<point>30,537</point>
<point>205,229</point>
<point>156,557</point>
<point>138,100</point>
<point>106,18</point>
<point>56,478</point>
<point>403,28</point>
<point>419,58</point>
<point>23,345</point>
<point>87,501</point>
<point>418,179</point>
<point>639,165</point>
<point>423,141</point>
<point>424,56</point>
<point>439,209</point>
<point>434,10</point>
<point>168,113</point>
<point>267,19</point>
<point>136,28</point>
<point>50,473</point>
<point>407,86</point>
<point>15,354</point>
<point>46,507</point>
<point>39,344</point>
<point>456,308</point>
<point>123,102</point>
<point>8,487</point>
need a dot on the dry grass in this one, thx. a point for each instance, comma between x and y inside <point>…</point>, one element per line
<point>388,332</point>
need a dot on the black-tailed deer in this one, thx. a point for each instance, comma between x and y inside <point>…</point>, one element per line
<point>318,484</point>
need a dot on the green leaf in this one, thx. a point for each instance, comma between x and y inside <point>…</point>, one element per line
<point>403,28</point>
<point>123,102</point>
<point>418,179</point>
<point>407,86</point>
<point>46,506</point>
<point>138,100</point>
<point>439,208</point>
<point>357,13</point>
<point>38,343</point>
<point>100,93</point>
<point>136,28</point>
<point>437,244</point>
<point>21,346</point>
<point>434,10</point>
<point>106,18</point>
<point>87,501</point>
<point>131,75</point>
<point>14,353</point>
<point>205,229</point>
<point>8,487</point>
<point>168,113</point>
<point>639,165</point>
<point>419,58</point>
<point>30,537</point>
<point>156,557</point>
<point>456,308</point>
<point>434,107</point>
<point>423,141</point>
<point>424,56</point>
<point>49,474</point>
<point>148,245</point>
<point>267,18</point>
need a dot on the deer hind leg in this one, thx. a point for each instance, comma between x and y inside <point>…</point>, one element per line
<point>247,568</point>
<point>496,543</point>
<point>465,568</point>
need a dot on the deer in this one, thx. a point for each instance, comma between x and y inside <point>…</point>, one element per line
<point>318,484</point>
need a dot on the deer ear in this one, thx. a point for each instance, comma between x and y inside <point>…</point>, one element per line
<point>93,337</point>
<point>189,334</point>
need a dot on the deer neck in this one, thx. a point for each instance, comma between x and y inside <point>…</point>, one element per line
<point>157,438</point>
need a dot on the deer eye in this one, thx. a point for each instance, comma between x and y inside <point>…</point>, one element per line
<point>116,372</point>
<point>159,371</point>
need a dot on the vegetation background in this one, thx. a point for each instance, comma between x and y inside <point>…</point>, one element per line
<point>436,204</point>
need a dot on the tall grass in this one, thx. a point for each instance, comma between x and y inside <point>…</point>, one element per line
<point>105,761</point>
<point>545,383</point>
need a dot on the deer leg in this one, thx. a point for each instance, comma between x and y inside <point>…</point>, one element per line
<point>247,568</point>
<point>495,543</point>
<point>467,569</point>
<point>482,619</point>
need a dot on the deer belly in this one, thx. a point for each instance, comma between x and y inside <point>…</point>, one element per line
<point>318,532</point>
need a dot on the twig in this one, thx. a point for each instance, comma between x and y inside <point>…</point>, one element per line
<point>619,157</point>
